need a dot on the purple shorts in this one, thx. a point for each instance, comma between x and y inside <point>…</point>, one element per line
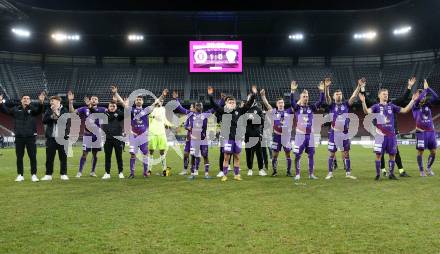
<point>232,147</point>
<point>277,144</point>
<point>338,141</point>
<point>385,144</point>
<point>426,140</point>
<point>187,146</point>
<point>304,143</point>
<point>92,143</point>
<point>199,150</point>
<point>137,143</point>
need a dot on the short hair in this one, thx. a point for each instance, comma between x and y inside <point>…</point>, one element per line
<point>229,98</point>
<point>279,99</point>
<point>25,95</point>
<point>382,90</point>
<point>112,102</point>
<point>58,98</point>
<point>337,91</point>
<point>94,96</point>
<point>140,97</point>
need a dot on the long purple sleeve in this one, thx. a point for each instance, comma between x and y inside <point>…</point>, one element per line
<point>420,98</point>
<point>320,100</point>
<point>181,109</point>
<point>434,95</point>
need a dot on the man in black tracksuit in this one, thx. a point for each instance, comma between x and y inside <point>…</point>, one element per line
<point>50,119</point>
<point>254,131</point>
<point>25,129</point>
<point>113,129</point>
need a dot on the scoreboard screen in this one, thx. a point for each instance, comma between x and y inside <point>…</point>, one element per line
<point>215,56</point>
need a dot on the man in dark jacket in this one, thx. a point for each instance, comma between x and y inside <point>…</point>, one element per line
<point>254,130</point>
<point>25,128</point>
<point>50,119</point>
<point>112,130</point>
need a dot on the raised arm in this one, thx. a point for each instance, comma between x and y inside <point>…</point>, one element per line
<point>3,107</point>
<point>150,108</point>
<point>407,95</point>
<point>214,105</point>
<point>293,89</point>
<point>321,88</point>
<point>264,100</point>
<point>355,93</point>
<point>70,97</point>
<point>38,110</point>
<point>117,98</point>
<point>409,106</point>
<point>364,105</point>
<point>434,95</point>
<point>328,98</point>
<point>250,101</point>
<point>179,107</point>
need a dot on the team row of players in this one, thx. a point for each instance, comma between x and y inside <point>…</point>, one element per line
<point>148,130</point>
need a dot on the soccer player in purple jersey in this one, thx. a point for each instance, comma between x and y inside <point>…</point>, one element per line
<point>196,125</point>
<point>187,147</point>
<point>282,130</point>
<point>232,146</point>
<point>338,134</point>
<point>425,132</point>
<point>385,139</point>
<point>304,140</point>
<point>138,138</point>
<point>89,138</point>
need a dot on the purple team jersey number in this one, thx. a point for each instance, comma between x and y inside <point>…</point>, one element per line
<point>215,56</point>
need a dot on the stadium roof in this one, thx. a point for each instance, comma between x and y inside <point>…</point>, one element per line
<point>199,5</point>
<point>328,26</point>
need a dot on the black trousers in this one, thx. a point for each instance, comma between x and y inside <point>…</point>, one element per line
<point>265,155</point>
<point>250,152</point>
<point>109,145</point>
<point>31,148</point>
<point>398,160</point>
<point>52,147</point>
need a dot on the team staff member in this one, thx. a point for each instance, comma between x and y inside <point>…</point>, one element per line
<point>25,129</point>
<point>113,129</point>
<point>50,119</point>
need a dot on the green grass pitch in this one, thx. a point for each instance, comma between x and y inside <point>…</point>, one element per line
<point>256,215</point>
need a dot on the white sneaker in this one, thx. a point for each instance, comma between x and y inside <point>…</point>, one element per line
<point>220,174</point>
<point>262,173</point>
<point>250,172</point>
<point>92,174</point>
<point>350,177</point>
<point>46,178</point>
<point>121,175</point>
<point>329,176</point>
<point>297,177</point>
<point>78,175</point>
<point>183,173</point>
<point>19,178</point>
<point>64,177</point>
<point>34,178</point>
<point>106,176</point>
<point>196,172</point>
<point>430,172</point>
<point>313,177</point>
